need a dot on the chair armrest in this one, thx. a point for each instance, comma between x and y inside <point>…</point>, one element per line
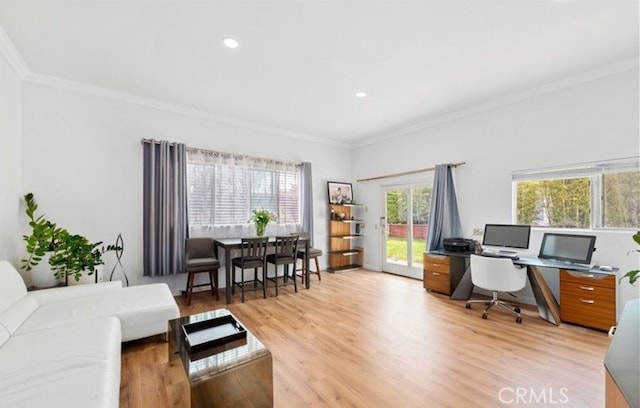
<point>53,295</point>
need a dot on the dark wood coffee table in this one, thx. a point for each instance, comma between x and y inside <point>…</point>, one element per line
<point>232,376</point>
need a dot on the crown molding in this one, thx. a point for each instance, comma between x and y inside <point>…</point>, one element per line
<point>172,108</point>
<point>588,76</point>
<point>13,57</point>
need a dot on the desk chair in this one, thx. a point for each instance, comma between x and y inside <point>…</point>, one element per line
<point>285,254</point>
<point>199,257</point>
<point>497,275</point>
<point>253,256</point>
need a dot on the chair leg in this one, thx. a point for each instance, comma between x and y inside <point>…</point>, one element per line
<point>317,268</point>
<point>242,284</point>
<point>304,271</point>
<point>215,281</point>
<point>264,284</point>
<point>190,287</point>
<point>295,281</point>
<point>276,278</point>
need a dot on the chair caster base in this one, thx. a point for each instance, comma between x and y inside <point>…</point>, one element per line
<point>518,319</point>
<point>484,316</point>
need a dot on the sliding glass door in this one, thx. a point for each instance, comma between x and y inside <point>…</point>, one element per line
<point>405,228</point>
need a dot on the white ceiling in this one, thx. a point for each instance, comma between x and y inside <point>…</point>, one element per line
<point>300,62</point>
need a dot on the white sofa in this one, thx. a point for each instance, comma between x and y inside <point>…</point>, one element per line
<point>61,347</point>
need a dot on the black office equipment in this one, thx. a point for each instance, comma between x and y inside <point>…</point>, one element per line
<point>567,247</point>
<point>459,244</point>
<point>507,235</point>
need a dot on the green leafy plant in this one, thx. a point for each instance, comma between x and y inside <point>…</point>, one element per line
<point>71,254</point>
<point>44,237</point>
<point>635,274</point>
<point>261,218</point>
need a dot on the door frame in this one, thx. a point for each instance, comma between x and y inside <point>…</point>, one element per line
<point>410,270</point>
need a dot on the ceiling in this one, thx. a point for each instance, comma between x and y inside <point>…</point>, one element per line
<point>300,62</point>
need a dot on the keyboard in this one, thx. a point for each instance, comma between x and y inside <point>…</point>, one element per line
<point>500,254</point>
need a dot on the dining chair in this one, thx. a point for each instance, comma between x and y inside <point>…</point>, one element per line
<point>199,257</point>
<point>252,256</point>
<point>286,250</point>
<point>314,254</point>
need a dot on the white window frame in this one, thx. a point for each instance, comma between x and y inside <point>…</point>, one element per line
<point>592,170</point>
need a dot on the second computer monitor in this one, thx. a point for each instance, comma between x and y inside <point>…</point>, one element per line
<point>507,235</point>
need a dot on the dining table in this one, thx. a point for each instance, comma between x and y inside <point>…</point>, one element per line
<point>231,244</point>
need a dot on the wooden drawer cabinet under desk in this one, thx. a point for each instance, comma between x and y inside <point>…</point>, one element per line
<point>436,269</point>
<point>588,299</point>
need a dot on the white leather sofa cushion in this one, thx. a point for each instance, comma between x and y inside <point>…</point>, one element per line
<point>12,288</point>
<point>14,316</point>
<point>143,310</point>
<point>4,335</point>
<point>47,296</point>
<point>74,365</point>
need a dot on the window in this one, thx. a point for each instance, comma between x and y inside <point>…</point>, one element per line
<point>225,192</point>
<point>593,195</point>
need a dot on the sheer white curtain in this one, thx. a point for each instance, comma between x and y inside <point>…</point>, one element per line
<point>218,169</point>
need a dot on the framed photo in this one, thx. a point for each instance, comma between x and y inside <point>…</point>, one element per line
<point>339,193</point>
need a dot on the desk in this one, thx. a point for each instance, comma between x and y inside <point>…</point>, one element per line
<point>229,244</point>
<point>548,306</point>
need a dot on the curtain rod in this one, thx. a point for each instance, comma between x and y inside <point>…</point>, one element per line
<point>404,173</point>
<point>237,155</point>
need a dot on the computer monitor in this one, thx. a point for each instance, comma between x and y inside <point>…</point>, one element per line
<point>568,247</point>
<point>507,235</point>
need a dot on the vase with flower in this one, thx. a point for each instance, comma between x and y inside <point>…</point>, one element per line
<point>261,218</point>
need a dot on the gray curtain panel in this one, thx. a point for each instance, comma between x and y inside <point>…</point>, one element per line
<point>444,218</point>
<point>164,207</point>
<point>307,201</point>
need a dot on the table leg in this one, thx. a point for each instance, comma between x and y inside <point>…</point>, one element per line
<point>547,304</point>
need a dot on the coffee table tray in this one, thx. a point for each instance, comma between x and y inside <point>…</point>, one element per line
<point>213,336</point>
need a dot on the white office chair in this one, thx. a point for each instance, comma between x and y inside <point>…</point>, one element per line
<point>497,275</point>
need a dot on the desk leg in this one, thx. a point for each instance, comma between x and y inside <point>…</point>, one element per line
<point>465,287</point>
<point>547,304</point>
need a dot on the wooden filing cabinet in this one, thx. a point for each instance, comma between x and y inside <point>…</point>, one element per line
<point>588,299</point>
<point>436,270</point>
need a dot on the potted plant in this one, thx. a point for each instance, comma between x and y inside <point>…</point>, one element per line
<point>40,244</point>
<point>75,255</point>
<point>44,235</point>
<point>261,218</point>
<point>635,274</point>
<point>64,254</point>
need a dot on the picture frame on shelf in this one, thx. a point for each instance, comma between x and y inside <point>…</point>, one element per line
<point>340,192</point>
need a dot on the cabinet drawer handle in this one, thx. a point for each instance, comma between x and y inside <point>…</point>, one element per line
<point>587,275</point>
<point>590,288</point>
<point>435,265</point>
<point>588,301</point>
<point>435,273</point>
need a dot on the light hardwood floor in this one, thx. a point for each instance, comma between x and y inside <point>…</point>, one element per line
<point>366,339</point>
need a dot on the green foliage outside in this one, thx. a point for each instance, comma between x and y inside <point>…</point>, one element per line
<point>397,249</point>
<point>566,203</point>
<point>621,199</point>
<point>555,203</point>
<point>397,206</point>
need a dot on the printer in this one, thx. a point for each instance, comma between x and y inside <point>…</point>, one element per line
<point>459,245</point>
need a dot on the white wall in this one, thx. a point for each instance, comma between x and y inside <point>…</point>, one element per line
<point>591,121</point>
<point>10,163</point>
<point>83,162</point>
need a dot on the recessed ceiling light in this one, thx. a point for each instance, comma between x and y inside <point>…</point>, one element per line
<point>231,43</point>
<point>361,94</point>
